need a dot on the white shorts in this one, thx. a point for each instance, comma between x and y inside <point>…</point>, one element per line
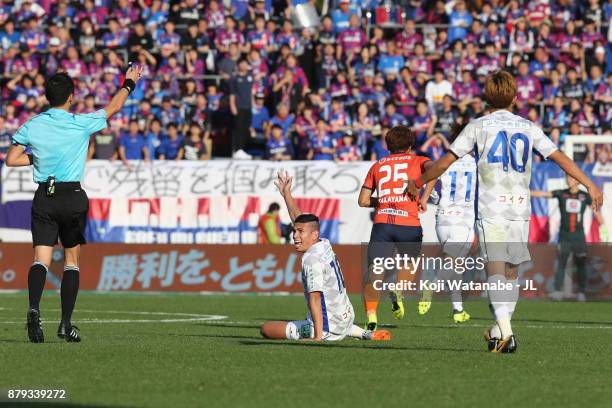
<point>304,329</point>
<point>504,240</point>
<point>456,240</point>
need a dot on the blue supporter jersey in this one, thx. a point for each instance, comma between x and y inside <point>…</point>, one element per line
<point>260,117</point>
<point>59,141</point>
<point>281,147</point>
<point>391,64</point>
<point>170,148</point>
<point>319,143</point>
<point>133,146</point>
<point>284,123</point>
<point>379,150</point>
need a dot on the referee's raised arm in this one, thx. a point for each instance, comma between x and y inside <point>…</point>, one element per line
<point>132,76</point>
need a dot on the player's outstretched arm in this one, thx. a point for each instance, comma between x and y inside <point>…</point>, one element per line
<point>541,194</point>
<point>17,157</point>
<point>284,183</point>
<point>131,77</point>
<point>435,170</point>
<point>570,168</point>
<point>316,313</point>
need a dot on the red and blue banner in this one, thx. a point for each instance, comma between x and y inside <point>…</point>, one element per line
<point>221,201</point>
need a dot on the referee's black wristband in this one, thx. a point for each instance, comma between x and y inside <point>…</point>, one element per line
<point>129,85</point>
<point>31,158</point>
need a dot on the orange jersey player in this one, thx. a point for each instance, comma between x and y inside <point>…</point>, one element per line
<point>397,228</point>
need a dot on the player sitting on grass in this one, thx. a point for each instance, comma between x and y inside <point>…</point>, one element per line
<point>503,143</point>
<point>454,222</point>
<point>330,314</point>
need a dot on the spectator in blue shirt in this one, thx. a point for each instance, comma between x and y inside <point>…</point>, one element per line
<point>391,62</point>
<point>261,117</point>
<point>342,16</point>
<point>5,140</point>
<point>379,149</point>
<point>171,147</point>
<point>460,20</point>
<point>9,36</point>
<point>279,148</point>
<point>283,118</point>
<point>322,143</point>
<point>154,138</point>
<point>132,145</point>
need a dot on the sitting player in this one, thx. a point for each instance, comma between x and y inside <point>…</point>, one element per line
<point>503,143</point>
<point>397,228</point>
<point>330,314</point>
<point>454,222</point>
<point>573,202</point>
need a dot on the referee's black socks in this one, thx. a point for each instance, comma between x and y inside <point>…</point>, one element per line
<point>69,291</point>
<point>36,284</point>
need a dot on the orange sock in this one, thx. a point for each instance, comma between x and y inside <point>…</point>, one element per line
<point>370,299</point>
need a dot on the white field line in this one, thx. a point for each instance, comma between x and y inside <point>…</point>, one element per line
<point>220,319</point>
<point>187,317</point>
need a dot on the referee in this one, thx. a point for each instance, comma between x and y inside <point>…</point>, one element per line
<point>59,142</point>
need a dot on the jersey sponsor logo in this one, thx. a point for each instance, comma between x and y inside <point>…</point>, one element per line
<point>393,211</point>
<point>507,124</point>
<point>573,205</point>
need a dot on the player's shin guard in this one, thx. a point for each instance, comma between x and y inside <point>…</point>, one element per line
<point>499,300</point>
<point>36,284</point>
<point>69,291</point>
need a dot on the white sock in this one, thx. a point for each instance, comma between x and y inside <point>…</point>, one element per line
<point>495,332</point>
<point>356,332</point>
<point>499,300</point>
<point>514,295</point>
<point>457,306</point>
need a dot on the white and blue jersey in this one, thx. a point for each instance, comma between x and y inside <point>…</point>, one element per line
<point>458,193</point>
<point>321,273</point>
<point>59,141</point>
<point>503,143</point>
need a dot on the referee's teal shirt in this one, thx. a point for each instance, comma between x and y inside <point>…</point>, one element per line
<point>59,141</point>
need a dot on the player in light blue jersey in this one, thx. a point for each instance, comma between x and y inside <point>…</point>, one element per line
<point>59,140</point>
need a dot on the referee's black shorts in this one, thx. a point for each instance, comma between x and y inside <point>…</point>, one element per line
<point>62,216</point>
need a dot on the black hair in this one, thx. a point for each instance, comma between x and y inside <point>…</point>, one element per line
<point>306,219</point>
<point>273,207</point>
<point>58,88</point>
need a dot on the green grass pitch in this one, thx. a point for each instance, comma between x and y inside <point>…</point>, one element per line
<point>156,350</point>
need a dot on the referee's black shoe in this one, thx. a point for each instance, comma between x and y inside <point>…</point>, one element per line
<point>68,332</point>
<point>35,331</point>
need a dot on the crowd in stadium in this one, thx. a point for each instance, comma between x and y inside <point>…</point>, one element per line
<point>238,77</point>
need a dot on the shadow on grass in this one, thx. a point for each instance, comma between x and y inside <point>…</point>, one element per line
<point>349,346</point>
<point>489,319</point>
<point>220,336</point>
<point>232,326</point>
<point>33,403</point>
